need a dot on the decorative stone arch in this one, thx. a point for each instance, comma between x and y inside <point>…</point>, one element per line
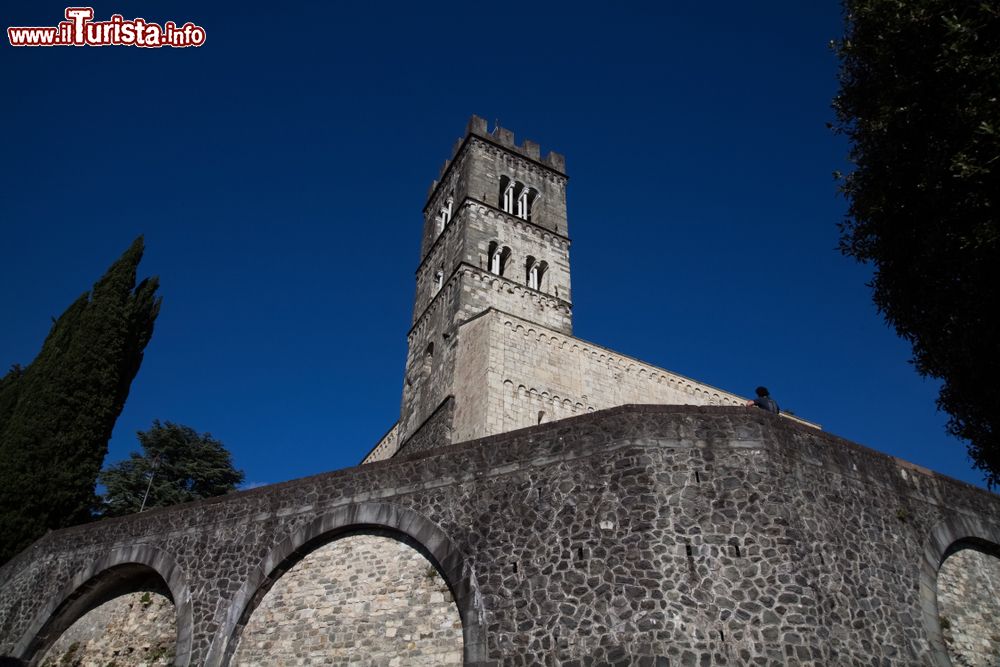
<point>417,530</point>
<point>104,578</point>
<point>948,537</point>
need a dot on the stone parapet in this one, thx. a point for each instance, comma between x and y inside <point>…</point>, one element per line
<point>693,535</point>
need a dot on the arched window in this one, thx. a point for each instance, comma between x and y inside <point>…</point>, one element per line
<point>439,279</point>
<point>507,194</point>
<point>498,258</point>
<point>425,369</point>
<point>531,199</point>
<point>493,259</point>
<point>522,204</point>
<point>446,211</point>
<point>516,198</point>
<point>535,271</point>
<point>444,215</point>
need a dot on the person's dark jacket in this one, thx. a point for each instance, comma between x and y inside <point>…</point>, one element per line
<point>766,403</point>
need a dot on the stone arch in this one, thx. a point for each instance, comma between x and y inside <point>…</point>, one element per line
<point>419,531</point>
<point>946,538</point>
<point>102,580</point>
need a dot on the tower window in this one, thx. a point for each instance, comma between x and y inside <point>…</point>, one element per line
<point>507,187</point>
<point>522,204</point>
<point>428,360</point>
<point>530,197</point>
<point>444,215</point>
<point>446,211</point>
<point>438,280</point>
<point>517,198</point>
<point>535,270</point>
<point>498,258</point>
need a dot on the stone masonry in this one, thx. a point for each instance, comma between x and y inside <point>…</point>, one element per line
<point>367,600</point>
<point>639,535</point>
<point>969,608</point>
<point>492,315</point>
<point>131,630</point>
<point>542,500</point>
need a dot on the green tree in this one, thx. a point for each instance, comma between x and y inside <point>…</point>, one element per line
<point>176,465</point>
<point>920,102</point>
<point>57,414</point>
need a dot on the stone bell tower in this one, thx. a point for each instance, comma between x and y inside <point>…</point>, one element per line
<point>494,237</point>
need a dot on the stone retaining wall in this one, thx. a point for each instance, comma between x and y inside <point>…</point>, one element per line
<point>128,631</point>
<point>364,600</point>
<point>640,535</point>
<point>969,608</point>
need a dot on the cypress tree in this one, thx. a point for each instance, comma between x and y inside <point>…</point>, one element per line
<point>57,414</point>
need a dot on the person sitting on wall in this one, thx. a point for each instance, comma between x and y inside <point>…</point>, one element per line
<point>764,401</point>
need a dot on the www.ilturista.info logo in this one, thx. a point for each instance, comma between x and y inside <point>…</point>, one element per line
<point>79,29</point>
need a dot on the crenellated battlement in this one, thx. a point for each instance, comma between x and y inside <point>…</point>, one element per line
<point>504,138</point>
<point>500,135</point>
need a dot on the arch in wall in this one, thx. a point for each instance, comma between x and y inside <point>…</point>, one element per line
<point>119,572</point>
<point>946,538</point>
<point>405,524</point>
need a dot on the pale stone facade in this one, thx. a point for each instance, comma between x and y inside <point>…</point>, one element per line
<point>513,373</point>
<point>132,630</point>
<point>968,588</point>
<point>362,600</point>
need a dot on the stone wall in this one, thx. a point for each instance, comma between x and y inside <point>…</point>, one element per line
<point>520,374</point>
<point>969,607</point>
<point>386,447</point>
<point>477,163</point>
<point>434,432</point>
<point>640,535</point>
<point>487,225</point>
<point>363,600</point>
<point>127,631</point>
<point>431,361</point>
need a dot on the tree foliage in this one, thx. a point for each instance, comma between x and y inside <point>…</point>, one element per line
<point>920,103</point>
<point>176,465</point>
<point>57,414</point>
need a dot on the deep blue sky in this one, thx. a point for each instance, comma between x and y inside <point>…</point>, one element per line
<point>279,171</point>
